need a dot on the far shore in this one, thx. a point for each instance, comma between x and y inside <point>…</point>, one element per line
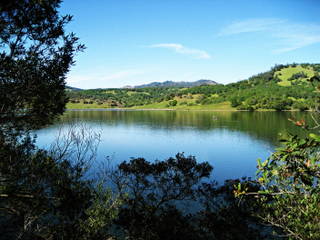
<point>153,109</point>
<point>178,109</point>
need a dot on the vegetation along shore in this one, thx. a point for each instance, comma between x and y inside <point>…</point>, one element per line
<point>60,191</point>
<point>283,88</point>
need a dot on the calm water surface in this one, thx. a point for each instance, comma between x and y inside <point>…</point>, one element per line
<point>230,141</point>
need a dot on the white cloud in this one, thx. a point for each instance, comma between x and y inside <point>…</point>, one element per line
<point>179,48</point>
<point>288,35</point>
<point>250,25</point>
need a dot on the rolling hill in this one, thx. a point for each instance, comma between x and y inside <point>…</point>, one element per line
<point>284,87</point>
<point>200,82</point>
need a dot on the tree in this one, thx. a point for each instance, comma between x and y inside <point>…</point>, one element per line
<point>171,199</point>
<point>43,194</point>
<point>47,194</point>
<point>153,192</point>
<point>290,184</point>
<point>40,197</point>
<point>235,102</point>
<point>36,54</point>
<point>172,103</point>
<point>290,190</point>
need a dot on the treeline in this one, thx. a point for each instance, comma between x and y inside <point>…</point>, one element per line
<point>124,97</point>
<point>50,193</point>
<point>262,91</point>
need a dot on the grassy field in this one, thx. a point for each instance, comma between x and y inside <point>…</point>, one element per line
<point>186,102</point>
<point>163,105</point>
<point>86,106</point>
<point>224,106</point>
<point>287,76</point>
<point>286,73</point>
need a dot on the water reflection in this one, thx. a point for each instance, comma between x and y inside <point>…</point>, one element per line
<point>230,141</point>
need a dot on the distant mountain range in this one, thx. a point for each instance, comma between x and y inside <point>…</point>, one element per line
<point>68,88</point>
<point>175,84</point>
<point>283,87</point>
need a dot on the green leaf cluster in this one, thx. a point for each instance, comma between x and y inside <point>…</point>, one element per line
<point>290,181</point>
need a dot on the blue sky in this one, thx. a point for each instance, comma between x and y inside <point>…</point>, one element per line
<point>131,42</point>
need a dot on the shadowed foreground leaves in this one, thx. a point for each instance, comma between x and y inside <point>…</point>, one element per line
<point>173,199</point>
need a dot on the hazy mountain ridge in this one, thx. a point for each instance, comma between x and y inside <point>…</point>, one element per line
<point>176,84</point>
<point>68,88</point>
<point>283,87</point>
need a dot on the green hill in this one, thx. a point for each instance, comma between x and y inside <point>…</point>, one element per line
<point>294,74</point>
<point>178,84</point>
<point>284,87</point>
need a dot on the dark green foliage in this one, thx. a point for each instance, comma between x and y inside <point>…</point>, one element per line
<point>223,216</point>
<point>43,195</point>
<point>36,54</point>
<point>154,190</point>
<point>302,106</point>
<point>297,76</point>
<point>170,200</point>
<point>280,104</point>
<point>235,102</point>
<point>40,198</point>
<point>172,103</point>
<point>291,191</point>
<point>289,195</point>
<point>289,182</point>
<point>261,91</point>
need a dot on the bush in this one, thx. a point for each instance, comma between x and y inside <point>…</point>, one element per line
<point>235,102</point>
<point>156,196</point>
<point>172,103</point>
<point>297,76</point>
<point>183,103</point>
<point>302,106</point>
<point>291,189</point>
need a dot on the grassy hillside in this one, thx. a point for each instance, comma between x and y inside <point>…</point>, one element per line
<point>284,87</point>
<point>286,75</point>
<point>225,106</point>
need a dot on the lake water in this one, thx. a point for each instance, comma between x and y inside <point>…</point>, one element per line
<point>230,141</point>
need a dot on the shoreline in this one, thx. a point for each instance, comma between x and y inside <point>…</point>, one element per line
<point>152,109</point>
<point>170,109</point>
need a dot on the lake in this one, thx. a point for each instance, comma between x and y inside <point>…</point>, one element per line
<point>230,141</point>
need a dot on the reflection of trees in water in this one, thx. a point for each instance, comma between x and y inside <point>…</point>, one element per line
<point>262,125</point>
